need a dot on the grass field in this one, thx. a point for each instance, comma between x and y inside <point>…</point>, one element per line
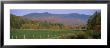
<point>41,34</point>
<point>52,34</point>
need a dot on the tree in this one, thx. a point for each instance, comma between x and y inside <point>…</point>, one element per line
<point>16,21</point>
<point>94,22</point>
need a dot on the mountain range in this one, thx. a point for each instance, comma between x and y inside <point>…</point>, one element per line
<point>69,19</point>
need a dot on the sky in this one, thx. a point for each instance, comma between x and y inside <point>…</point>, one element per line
<point>21,12</point>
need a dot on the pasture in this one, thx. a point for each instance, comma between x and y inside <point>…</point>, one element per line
<point>41,34</point>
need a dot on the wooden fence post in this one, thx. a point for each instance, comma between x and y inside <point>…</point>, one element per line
<point>24,36</point>
<point>33,35</point>
<point>16,37</point>
<point>12,36</point>
<point>48,35</point>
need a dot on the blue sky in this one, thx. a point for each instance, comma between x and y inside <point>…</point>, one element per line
<point>21,12</point>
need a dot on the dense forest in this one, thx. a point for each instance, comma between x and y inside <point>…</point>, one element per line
<point>93,24</point>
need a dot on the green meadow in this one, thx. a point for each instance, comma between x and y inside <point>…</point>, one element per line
<point>53,34</point>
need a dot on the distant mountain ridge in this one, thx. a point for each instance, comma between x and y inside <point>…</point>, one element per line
<point>71,15</point>
<point>71,18</point>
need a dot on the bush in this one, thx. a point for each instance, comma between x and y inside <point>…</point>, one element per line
<point>81,35</point>
<point>94,35</point>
